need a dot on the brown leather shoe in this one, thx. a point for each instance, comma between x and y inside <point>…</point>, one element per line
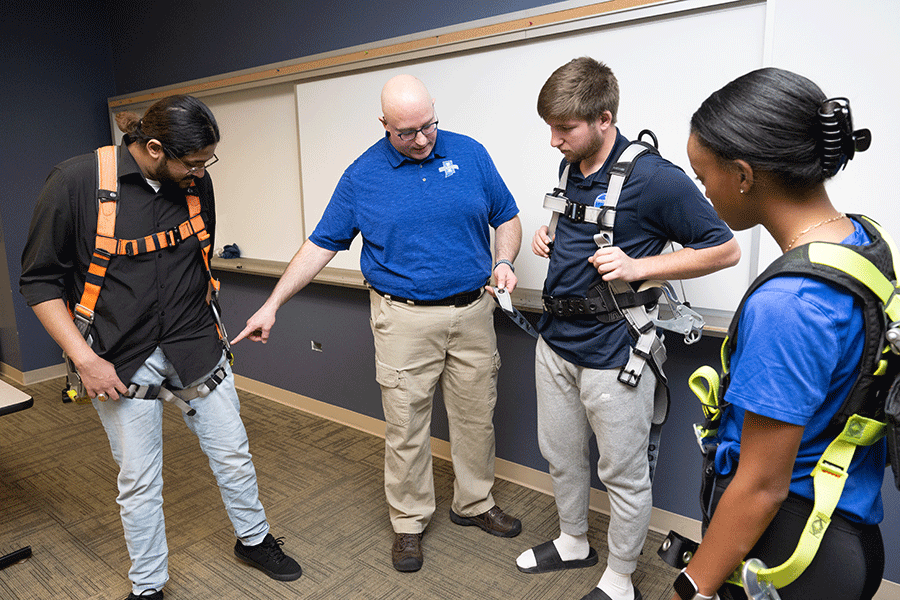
<point>407,552</point>
<point>494,521</point>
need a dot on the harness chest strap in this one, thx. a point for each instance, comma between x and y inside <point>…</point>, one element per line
<point>581,213</point>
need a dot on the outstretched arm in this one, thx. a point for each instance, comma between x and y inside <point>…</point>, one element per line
<point>306,264</point>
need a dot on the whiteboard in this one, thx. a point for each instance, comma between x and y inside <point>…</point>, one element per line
<point>259,205</point>
<point>491,95</point>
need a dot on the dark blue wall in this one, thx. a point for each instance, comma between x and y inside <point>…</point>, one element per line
<point>169,42</point>
<point>57,73</point>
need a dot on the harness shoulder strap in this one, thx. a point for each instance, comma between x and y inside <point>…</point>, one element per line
<point>869,273</point>
<point>107,197</point>
<point>552,201</point>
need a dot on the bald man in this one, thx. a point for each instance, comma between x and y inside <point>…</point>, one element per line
<point>424,201</point>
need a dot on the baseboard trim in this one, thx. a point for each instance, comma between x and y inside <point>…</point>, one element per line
<point>35,376</point>
<point>661,520</point>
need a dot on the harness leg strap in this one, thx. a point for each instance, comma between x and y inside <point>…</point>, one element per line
<point>179,398</point>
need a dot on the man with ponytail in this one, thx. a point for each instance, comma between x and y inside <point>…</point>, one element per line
<point>150,325</point>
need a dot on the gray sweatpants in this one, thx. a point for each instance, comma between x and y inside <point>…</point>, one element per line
<point>572,401</point>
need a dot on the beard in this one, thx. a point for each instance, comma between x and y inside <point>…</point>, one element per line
<point>165,176</point>
<point>591,146</point>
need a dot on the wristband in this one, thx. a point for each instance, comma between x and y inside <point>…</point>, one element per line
<point>687,590</point>
<point>503,261</point>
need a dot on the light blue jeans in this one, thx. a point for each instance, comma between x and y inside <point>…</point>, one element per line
<point>134,428</point>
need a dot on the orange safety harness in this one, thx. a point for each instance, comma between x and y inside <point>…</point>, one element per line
<point>107,245</point>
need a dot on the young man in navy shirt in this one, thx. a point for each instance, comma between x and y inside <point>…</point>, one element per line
<point>578,358</point>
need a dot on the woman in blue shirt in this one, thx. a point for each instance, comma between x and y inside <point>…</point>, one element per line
<point>756,146</point>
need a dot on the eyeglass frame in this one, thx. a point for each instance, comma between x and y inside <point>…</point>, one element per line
<point>415,132</point>
<point>191,170</point>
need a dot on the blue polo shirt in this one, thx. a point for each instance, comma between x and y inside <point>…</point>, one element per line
<point>658,203</point>
<point>802,378</point>
<point>425,224</point>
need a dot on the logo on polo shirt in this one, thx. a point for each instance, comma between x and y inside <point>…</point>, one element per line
<point>448,168</point>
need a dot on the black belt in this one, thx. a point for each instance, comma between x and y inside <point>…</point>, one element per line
<point>459,300</point>
<point>572,306</point>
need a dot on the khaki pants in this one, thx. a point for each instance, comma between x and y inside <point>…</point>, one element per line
<point>415,348</point>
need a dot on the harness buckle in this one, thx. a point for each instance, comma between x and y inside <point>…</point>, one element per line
<point>754,587</point>
<point>84,318</point>
<point>107,195</point>
<point>892,335</point>
<point>174,236</point>
<point>575,211</point>
<point>601,218</point>
<point>629,378</point>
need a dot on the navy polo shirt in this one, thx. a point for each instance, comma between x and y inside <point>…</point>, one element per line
<point>658,203</point>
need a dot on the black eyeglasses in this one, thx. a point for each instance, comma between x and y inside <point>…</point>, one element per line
<point>411,134</point>
<point>192,170</point>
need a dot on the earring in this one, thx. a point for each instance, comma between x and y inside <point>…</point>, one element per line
<point>743,190</point>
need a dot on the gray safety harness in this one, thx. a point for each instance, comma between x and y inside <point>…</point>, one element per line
<point>616,300</point>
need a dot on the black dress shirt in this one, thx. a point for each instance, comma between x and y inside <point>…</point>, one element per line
<point>148,300</point>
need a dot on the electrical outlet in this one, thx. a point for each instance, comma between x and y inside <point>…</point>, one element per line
<point>316,346</point>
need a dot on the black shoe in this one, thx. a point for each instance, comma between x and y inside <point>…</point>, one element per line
<point>406,553</point>
<point>268,558</point>
<point>146,596</point>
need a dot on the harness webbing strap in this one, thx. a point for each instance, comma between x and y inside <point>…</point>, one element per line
<point>554,216</point>
<point>582,213</point>
<point>853,263</point>
<point>178,397</point>
<point>648,344</point>
<point>107,189</point>
<point>829,477</point>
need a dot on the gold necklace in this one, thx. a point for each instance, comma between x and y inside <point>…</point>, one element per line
<point>811,227</point>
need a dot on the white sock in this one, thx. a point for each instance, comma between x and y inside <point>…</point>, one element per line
<point>616,585</point>
<point>569,547</point>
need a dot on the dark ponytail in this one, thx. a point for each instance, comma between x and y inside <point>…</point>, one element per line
<point>182,124</point>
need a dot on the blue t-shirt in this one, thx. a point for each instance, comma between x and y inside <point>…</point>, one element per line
<point>658,203</point>
<point>799,344</point>
<point>425,224</point>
